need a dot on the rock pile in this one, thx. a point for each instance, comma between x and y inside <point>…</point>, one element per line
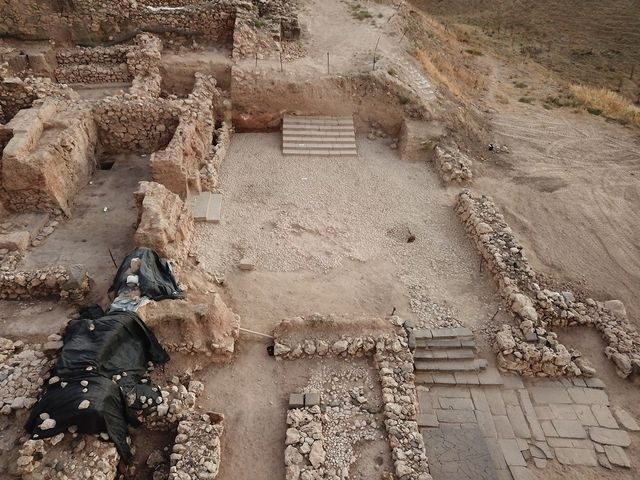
<point>395,365</point>
<point>57,281</point>
<point>453,165</point>
<point>304,454</point>
<point>529,348</point>
<point>21,368</point>
<point>68,457</point>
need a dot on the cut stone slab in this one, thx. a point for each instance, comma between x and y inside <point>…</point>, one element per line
<point>518,422</point>
<point>512,454</point>
<point>466,378</point>
<point>588,396</point>
<point>496,403</point>
<point>576,456</point>
<point>458,453</point>
<point>311,399</point>
<point>512,381</point>
<point>490,376</point>
<point>548,428</point>
<point>15,241</point>
<point>543,395</point>
<point>427,420</point>
<point>617,456</point>
<point>455,403</point>
<point>625,419</point>
<point>456,416</point>
<point>586,416</point>
<point>503,427</point>
<point>530,415</point>
<point>479,400</point>
<point>246,265</point>
<point>595,383</point>
<point>560,442</point>
<point>200,207</point>
<point>214,213</point>
<point>569,428</point>
<point>604,417</point>
<point>563,412</point>
<point>296,400</point>
<point>607,436</point>
<point>486,425</point>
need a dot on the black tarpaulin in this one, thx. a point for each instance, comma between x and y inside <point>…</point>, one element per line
<point>96,351</point>
<point>155,279</point>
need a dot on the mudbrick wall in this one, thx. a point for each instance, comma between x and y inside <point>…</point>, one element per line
<point>391,355</point>
<point>58,281</point>
<point>529,348</point>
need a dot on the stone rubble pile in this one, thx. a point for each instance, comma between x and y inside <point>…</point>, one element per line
<point>529,348</point>
<point>453,165</point>
<point>57,281</point>
<point>394,361</point>
<point>196,451</point>
<point>304,454</point>
<point>21,368</point>
<point>69,456</point>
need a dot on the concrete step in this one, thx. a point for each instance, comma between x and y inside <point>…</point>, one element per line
<point>207,207</point>
<point>293,120</point>
<point>454,354</point>
<point>330,135</point>
<point>318,137</point>
<point>341,153</point>
<point>489,377</point>
<point>460,365</point>
<point>319,146</point>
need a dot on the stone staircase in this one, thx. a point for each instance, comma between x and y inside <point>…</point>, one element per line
<point>207,207</point>
<point>447,356</point>
<point>318,136</point>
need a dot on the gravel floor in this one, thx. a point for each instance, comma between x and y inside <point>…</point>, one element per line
<point>328,215</point>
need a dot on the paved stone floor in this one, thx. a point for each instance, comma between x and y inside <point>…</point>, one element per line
<point>524,425</point>
<point>458,451</point>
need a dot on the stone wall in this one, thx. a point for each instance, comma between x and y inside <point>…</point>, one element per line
<point>217,153</point>
<point>132,123</point>
<point>91,21</point>
<point>452,165</point>
<point>165,222</point>
<point>93,65</point>
<point>529,348</point>
<point>178,166</point>
<point>48,159</point>
<point>58,281</point>
<point>391,356</point>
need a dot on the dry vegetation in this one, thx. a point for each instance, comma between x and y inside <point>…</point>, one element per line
<point>604,101</point>
<point>583,42</point>
<point>443,57</point>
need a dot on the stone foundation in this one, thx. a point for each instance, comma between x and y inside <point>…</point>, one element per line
<point>178,166</point>
<point>529,348</point>
<point>390,351</point>
<point>65,283</point>
<point>453,165</point>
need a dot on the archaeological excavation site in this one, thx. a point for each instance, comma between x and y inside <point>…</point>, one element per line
<point>319,240</point>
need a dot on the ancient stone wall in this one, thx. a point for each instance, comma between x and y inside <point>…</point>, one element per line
<point>221,142</point>
<point>58,281</point>
<point>48,159</point>
<point>178,166</point>
<point>89,21</point>
<point>165,223</point>
<point>391,355</point>
<point>131,123</point>
<point>529,348</point>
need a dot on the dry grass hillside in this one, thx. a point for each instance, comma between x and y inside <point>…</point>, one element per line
<point>589,42</point>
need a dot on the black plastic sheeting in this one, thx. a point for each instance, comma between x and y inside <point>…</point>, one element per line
<point>94,351</point>
<point>156,281</point>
